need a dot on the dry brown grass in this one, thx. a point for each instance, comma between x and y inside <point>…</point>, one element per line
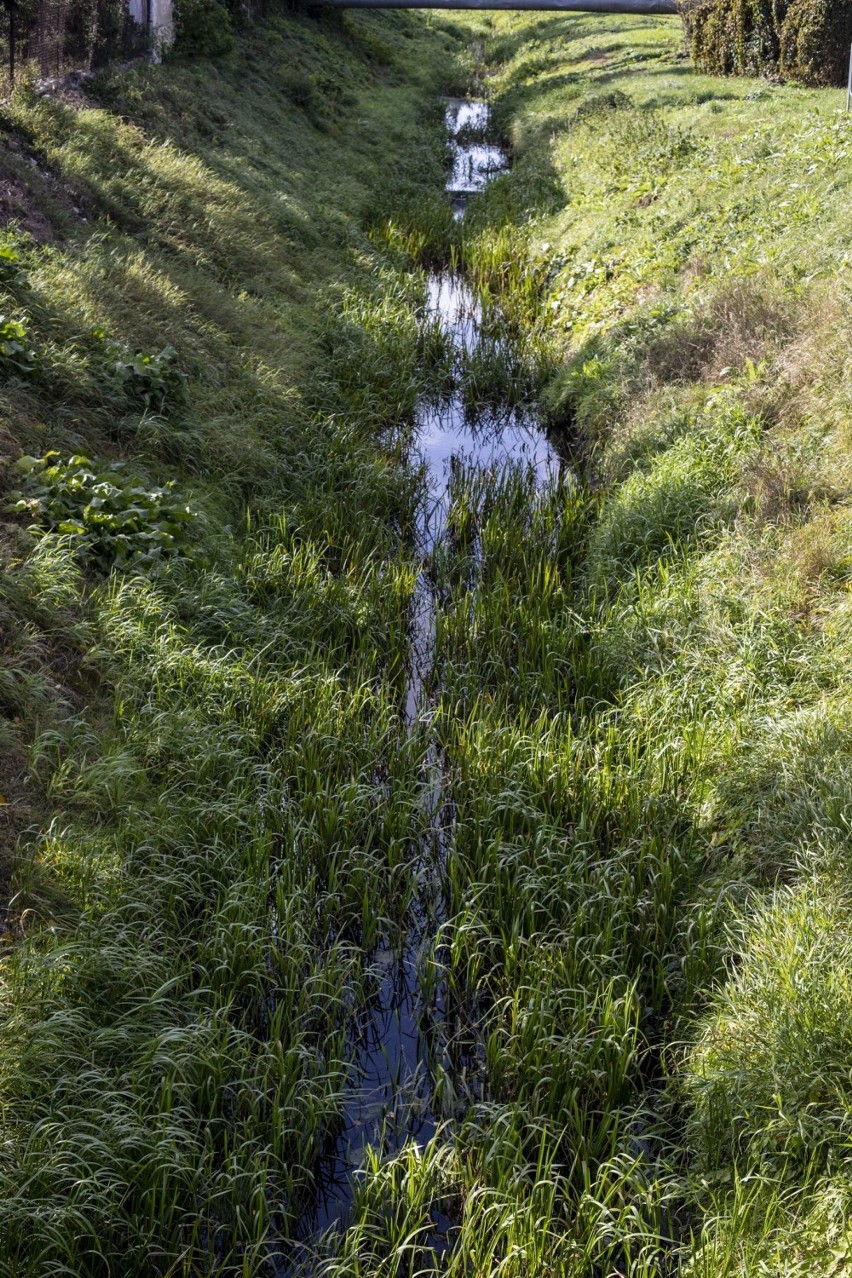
<point>744,320</point>
<point>779,487</point>
<point>817,367</point>
<point>819,550</point>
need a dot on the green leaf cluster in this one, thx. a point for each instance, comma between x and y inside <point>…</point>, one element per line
<point>12,273</point>
<point>17,358</point>
<point>149,381</point>
<point>118,520</point>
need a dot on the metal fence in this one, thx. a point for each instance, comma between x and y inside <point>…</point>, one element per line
<point>55,37</point>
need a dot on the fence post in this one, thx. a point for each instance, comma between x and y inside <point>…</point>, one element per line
<point>849,81</point>
<point>12,37</point>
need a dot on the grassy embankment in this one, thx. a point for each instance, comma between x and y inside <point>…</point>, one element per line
<point>642,703</point>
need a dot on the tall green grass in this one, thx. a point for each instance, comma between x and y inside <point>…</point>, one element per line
<point>639,912</point>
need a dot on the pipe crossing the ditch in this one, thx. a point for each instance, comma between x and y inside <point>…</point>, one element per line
<point>562,6</point>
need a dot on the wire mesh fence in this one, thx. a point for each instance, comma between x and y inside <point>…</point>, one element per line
<point>54,37</point>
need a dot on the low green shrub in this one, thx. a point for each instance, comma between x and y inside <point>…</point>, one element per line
<point>807,40</point>
<point>119,522</point>
<point>150,381</point>
<point>17,358</point>
<point>203,28</point>
<point>12,274</point>
<point>599,103</point>
<point>299,88</point>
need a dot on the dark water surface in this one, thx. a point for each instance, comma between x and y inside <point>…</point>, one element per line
<point>389,1095</point>
<point>475,160</point>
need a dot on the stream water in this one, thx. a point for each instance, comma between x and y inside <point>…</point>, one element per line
<point>389,1096</point>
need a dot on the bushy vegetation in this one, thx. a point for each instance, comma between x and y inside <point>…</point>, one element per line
<point>806,40</point>
<point>203,28</point>
<point>113,517</point>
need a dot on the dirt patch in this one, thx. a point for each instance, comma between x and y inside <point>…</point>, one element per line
<point>19,205</point>
<point>34,198</point>
<point>743,320</point>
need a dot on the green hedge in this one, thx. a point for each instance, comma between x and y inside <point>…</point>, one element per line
<point>815,41</point>
<point>805,40</point>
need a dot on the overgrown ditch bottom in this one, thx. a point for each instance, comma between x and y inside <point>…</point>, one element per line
<point>407,1031</point>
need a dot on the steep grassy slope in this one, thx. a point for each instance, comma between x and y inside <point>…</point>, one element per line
<point>202,209</point>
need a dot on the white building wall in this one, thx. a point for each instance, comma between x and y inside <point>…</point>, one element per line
<point>157,17</point>
<point>162,24</point>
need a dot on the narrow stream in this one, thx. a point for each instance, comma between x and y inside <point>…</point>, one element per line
<point>389,1098</point>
